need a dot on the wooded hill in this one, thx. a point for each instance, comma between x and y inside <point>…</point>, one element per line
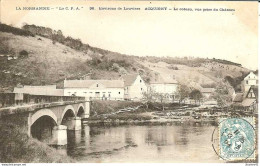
<point>34,55</point>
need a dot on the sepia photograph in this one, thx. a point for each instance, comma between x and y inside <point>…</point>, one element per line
<point>128,81</point>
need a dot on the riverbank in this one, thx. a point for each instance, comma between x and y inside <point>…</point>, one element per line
<point>133,112</point>
<point>17,147</point>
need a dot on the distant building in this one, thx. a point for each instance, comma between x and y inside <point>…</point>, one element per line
<point>207,92</point>
<point>48,90</point>
<point>165,87</point>
<point>134,87</point>
<point>250,80</point>
<point>96,89</point>
<point>247,101</point>
<point>238,98</point>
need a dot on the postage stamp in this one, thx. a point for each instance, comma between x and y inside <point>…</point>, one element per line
<point>237,138</point>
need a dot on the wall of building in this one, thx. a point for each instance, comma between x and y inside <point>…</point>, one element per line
<point>206,95</point>
<point>136,90</point>
<point>250,80</point>
<point>117,93</point>
<point>49,90</point>
<point>164,88</point>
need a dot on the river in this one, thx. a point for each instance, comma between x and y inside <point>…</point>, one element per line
<point>171,142</point>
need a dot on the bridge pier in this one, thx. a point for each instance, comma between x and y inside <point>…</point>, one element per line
<point>87,110</point>
<point>59,136</point>
<point>73,123</point>
<point>29,124</point>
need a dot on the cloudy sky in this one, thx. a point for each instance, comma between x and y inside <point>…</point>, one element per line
<point>225,35</point>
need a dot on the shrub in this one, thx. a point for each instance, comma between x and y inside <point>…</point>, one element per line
<point>15,31</point>
<point>23,53</point>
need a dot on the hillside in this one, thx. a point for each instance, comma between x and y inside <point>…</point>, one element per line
<point>47,57</point>
<point>205,74</point>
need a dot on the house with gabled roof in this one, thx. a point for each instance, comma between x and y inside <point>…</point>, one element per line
<point>207,92</point>
<point>165,86</point>
<point>134,86</point>
<point>95,89</point>
<point>247,101</point>
<point>250,80</point>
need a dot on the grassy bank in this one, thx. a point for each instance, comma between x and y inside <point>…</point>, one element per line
<point>17,147</point>
<point>109,111</point>
<point>99,107</point>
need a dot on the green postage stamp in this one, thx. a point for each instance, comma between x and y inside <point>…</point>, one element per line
<point>237,138</point>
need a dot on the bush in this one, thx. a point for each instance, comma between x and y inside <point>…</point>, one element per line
<point>15,31</point>
<point>23,53</point>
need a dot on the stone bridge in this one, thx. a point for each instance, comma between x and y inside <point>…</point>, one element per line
<point>46,118</point>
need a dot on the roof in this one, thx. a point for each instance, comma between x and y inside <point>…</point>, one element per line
<point>163,80</point>
<point>39,90</point>
<point>129,79</point>
<point>207,90</point>
<point>89,83</point>
<point>251,76</point>
<point>41,87</point>
<point>238,97</point>
<point>248,102</point>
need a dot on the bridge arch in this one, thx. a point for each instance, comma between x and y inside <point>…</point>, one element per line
<point>42,123</point>
<point>80,110</point>
<point>68,111</point>
<point>43,112</point>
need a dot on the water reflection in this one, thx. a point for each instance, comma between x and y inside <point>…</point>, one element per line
<point>173,142</point>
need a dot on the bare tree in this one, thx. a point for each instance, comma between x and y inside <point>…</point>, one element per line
<point>149,97</point>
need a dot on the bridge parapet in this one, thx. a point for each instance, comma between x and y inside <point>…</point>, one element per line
<point>13,99</point>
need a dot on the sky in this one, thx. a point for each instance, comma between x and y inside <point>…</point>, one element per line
<point>223,35</point>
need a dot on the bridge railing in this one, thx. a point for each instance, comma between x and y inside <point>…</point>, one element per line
<point>12,99</point>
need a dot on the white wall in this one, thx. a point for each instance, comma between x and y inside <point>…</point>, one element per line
<point>114,92</point>
<point>164,88</point>
<point>249,80</point>
<point>136,90</point>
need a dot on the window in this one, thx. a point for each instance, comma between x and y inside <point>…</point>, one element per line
<point>140,81</point>
<point>97,94</point>
<point>256,81</point>
<point>97,85</point>
<point>250,95</point>
<point>246,82</point>
<point>118,92</point>
<point>141,89</point>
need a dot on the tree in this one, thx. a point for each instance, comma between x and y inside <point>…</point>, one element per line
<point>183,92</point>
<point>149,97</point>
<point>161,97</point>
<point>221,95</point>
<point>195,95</point>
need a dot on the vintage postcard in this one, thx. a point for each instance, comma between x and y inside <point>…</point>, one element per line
<point>128,82</point>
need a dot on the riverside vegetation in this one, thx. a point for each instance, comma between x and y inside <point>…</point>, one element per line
<point>17,147</point>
